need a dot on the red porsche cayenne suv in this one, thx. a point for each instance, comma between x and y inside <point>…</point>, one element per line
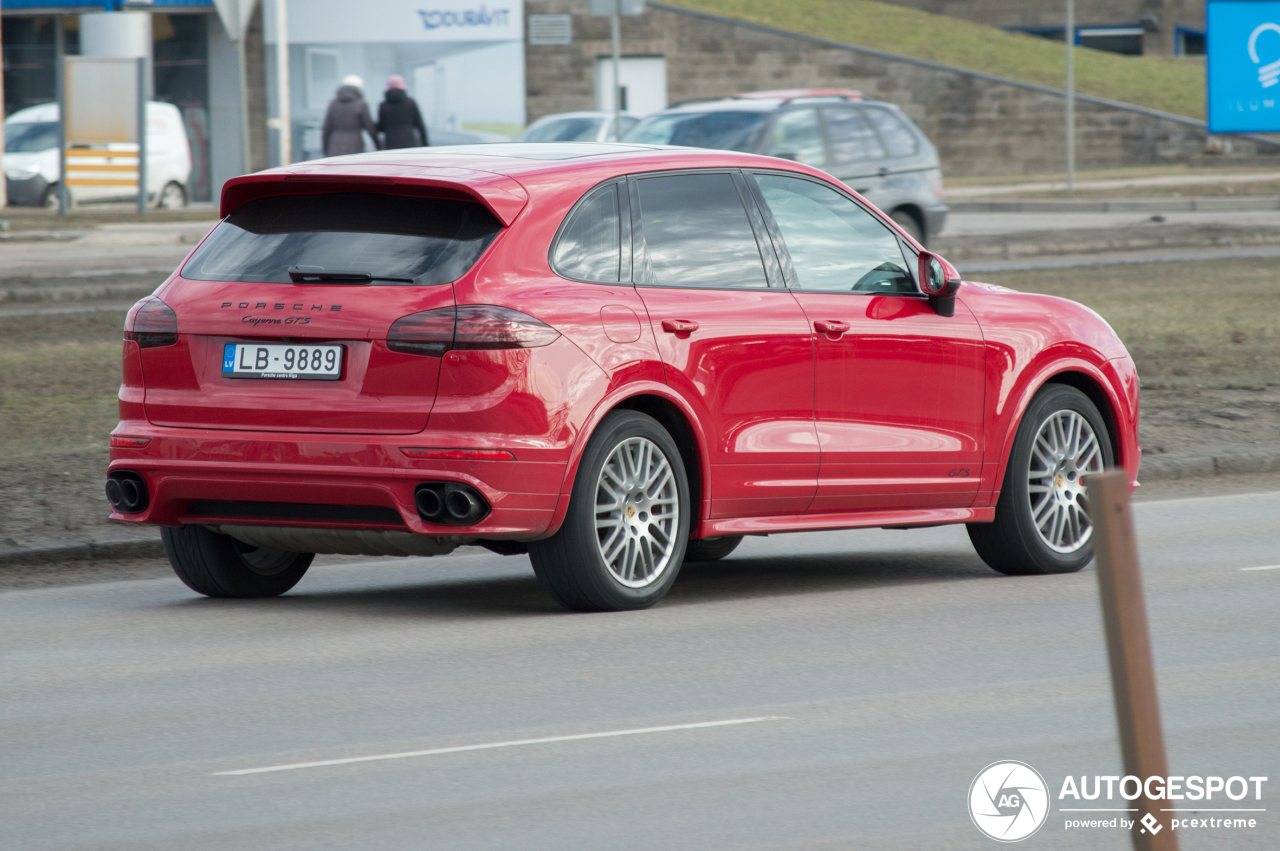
<point>615,358</point>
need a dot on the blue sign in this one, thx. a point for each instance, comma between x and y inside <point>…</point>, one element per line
<point>1243,43</point>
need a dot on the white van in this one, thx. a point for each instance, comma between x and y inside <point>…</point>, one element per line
<point>31,159</point>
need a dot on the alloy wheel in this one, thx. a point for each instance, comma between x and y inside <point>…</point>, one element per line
<point>1065,450</point>
<point>637,510</point>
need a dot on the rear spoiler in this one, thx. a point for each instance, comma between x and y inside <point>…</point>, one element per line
<point>503,196</point>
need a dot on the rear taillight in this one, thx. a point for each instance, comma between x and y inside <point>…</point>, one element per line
<point>427,333</point>
<point>151,323</point>
<point>471,326</point>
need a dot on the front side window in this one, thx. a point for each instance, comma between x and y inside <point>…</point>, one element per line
<point>797,135</point>
<point>29,137</point>
<point>697,233</point>
<point>590,247</point>
<point>835,245</point>
<point>388,239</point>
<point>852,138</point>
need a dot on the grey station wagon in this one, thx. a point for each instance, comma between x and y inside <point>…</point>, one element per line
<point>869,145</point>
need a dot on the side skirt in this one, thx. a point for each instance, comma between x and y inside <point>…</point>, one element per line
<point>850,520</point>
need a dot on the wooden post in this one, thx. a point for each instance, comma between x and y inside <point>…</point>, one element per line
<point>1133,675</point>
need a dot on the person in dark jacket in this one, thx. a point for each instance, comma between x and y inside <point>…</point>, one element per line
<point>399,120</point>
<point>347,118</point>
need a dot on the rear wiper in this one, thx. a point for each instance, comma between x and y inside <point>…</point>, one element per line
<point>320,275</point>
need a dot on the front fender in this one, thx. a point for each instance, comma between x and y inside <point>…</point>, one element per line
<point>1112,380</point>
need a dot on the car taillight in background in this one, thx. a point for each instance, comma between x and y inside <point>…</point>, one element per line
<point>151,323</point>
<point>470,326</point>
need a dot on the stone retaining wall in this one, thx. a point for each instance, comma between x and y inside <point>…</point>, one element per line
<point>980,126</point>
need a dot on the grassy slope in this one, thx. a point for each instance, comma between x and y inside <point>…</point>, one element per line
<point>1168,84</point>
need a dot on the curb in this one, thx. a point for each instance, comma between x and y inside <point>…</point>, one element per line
<point>1136,205</point>
<point>102,548</point>
<point>1160,467</point>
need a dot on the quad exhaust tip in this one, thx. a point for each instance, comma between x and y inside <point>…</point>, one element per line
<point>450,503</point>
<point>127,492</point>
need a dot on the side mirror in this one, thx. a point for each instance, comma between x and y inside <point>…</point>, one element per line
<point>940,281</point>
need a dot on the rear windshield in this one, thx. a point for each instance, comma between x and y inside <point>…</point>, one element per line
<point>565,130</point>
<point>727,131</point>
<point>390,238</point>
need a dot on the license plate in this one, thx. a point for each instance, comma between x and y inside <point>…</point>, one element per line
<point>273,360</point>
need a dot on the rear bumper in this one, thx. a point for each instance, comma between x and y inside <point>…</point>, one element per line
<point>351,481</point>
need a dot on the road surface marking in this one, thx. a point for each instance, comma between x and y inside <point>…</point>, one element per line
<point>1264,567</point>
<point>492,745</point>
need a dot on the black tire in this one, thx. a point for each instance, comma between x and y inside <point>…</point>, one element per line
<point>711,549</point>
<point>1012,544</point>
<point>908,222</point>
<point>49,200</point>
<point>570,565</point>
<point>220,566</point>
<point>171,197</point>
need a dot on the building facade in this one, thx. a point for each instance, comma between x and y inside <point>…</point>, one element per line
<point>463,61</point>
<point>194,65</point>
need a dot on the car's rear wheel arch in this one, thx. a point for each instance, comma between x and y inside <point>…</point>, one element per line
<point>916,215</point>
<point>677,424</point>
<point>673,414</point>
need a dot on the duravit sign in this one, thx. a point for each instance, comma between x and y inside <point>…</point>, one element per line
<point>381,21</point>
<point>1243,46</point>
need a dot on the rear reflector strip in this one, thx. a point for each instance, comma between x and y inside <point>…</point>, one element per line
<point>458,454</point>
<point>129,442</point>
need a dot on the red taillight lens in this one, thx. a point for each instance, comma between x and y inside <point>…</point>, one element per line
<point>129,442</point>
<point>151,323</point>
<point>486,326</point>
<point>471,326</point>
<point>427,333</point>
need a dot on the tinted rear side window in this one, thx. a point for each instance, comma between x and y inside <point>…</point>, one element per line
<point>697,233</point>
<point>895,134</point>
<point>423,241</point>
<point>590,247</point>
<point>852,138</point>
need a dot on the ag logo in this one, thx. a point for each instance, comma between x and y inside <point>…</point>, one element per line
<point>1008,801</point>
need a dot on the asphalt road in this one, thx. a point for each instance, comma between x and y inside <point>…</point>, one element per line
<point>889,667</point>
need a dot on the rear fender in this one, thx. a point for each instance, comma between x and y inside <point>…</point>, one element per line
<point>610,402</point>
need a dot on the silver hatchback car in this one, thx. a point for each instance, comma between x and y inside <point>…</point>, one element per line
<point>869,145</point>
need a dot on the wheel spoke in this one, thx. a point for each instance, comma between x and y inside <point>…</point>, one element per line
<point>1065,449</point>
<point>637,511</point>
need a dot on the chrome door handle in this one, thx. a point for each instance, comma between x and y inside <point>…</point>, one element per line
<point>679,326</point>
<point>830,326</point>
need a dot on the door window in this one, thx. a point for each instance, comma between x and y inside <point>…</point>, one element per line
<point>697,233</point>
<point>852,138</point>
<point>797,136</point>
<point>835,245</point>
<point>589,249</point>
<point>896,135</point>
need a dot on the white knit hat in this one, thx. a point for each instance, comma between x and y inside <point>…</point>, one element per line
<point>353,80</point>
